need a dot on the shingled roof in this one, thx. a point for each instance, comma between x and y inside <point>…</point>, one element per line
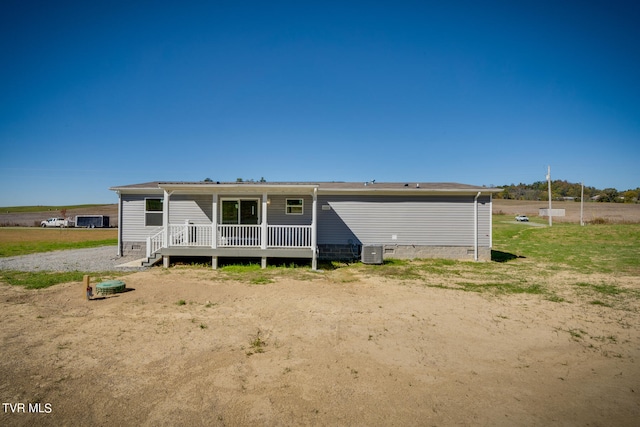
<point>322,186</point>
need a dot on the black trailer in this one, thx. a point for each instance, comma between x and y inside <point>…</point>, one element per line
<point>92,221</point>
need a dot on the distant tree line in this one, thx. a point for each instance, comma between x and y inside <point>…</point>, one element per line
<point>563,190</point>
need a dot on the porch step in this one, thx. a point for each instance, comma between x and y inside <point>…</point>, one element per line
<point>153,259</point>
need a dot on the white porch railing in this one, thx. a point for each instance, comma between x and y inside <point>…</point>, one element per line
<point>231,236</point>
<point>155,242</point>
<point>234,235</point>
<point>190,235</point>
<point>289,236</point>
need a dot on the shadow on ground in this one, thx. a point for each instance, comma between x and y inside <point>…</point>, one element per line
<point>499,256</point>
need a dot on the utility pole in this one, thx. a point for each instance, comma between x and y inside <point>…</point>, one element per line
<point>581,203</point>
<point>549,181</point>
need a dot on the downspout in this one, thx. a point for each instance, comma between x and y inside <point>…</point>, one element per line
<point>119,224</point>
<point>475,226</point>
<point>314,230</point>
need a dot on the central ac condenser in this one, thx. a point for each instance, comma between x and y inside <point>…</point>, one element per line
<point>372,254</point>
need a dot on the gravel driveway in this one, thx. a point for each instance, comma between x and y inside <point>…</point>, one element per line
<point>103,258</point>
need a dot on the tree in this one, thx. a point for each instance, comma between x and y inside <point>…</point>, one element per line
<point>630,196</point>
<point>609,195</point>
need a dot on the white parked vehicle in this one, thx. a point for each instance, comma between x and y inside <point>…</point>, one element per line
<point>522,218</point>
<point>56,222</point>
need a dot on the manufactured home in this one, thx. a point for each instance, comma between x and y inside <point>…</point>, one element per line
<point>324,220</point>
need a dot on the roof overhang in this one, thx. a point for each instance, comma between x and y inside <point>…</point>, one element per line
<point>237,188</point>
<point>325,188</point>
<point>409,191</point>
<point>138,189</point>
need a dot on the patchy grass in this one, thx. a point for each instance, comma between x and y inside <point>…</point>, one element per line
<point>394,269</point>
<point>45,279</point>
<point>602,288</point>
<point>526,260</point>
<point>257,344</point>
<point>261,280</point>
<point>529,260</point>
<point>503,288</point>
<point>554,298</point>
<point>254,274</point>
<point>605,248</point>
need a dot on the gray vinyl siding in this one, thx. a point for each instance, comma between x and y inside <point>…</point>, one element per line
<point>133,228</point>
<point>277,210</point>
<point>427,220</point>
<point>276,214</point>
<point>415,220</point>
<point>194,208</point>
<point>484,221</point>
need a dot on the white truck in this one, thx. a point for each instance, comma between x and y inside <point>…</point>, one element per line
<point>56,222</point>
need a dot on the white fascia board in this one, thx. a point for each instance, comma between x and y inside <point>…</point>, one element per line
<point>408,192</point>
<point>239,188</point>
<point>149,190</point>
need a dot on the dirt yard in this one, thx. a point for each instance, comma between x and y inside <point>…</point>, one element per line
<point>186,347</point>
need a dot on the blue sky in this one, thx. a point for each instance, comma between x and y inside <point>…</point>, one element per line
<point>99,94</point>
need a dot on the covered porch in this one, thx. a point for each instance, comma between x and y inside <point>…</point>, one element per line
<point>276,223</point>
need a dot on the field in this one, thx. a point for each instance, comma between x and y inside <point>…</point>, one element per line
<point>592,211</point>
<point>25,240</point>
<point>545,334</point>
<point>29,216</point>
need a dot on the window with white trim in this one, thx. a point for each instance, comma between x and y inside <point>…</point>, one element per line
<point>294,207</point>
<point>153,212</point>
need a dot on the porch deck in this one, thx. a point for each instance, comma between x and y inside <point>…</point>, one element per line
<point>232,240</point>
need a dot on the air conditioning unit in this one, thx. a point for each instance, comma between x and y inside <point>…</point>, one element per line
<point>372,254</point>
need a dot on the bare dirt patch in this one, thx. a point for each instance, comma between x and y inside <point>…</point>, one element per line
<point>611,212</point>
<point>189,347</point>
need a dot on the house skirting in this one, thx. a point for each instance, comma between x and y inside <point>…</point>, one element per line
<point>444,252</point>
<point>351,252</point>
<point>137,249</point>
<point>339,252</point>
<point>239,252</point>
<point>326,252</point>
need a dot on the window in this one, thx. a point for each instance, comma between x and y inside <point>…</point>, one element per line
<point>294,207</point>
<point>240,211</point>
<point>152,212</point>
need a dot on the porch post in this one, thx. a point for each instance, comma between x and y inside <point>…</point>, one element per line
<point>165,224</point>
<point>263,231</point>
<point>165,218</point>
<point>314,230</point>
<point>214,222</point>
<point>120,225</point>
<point>214,230</point>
